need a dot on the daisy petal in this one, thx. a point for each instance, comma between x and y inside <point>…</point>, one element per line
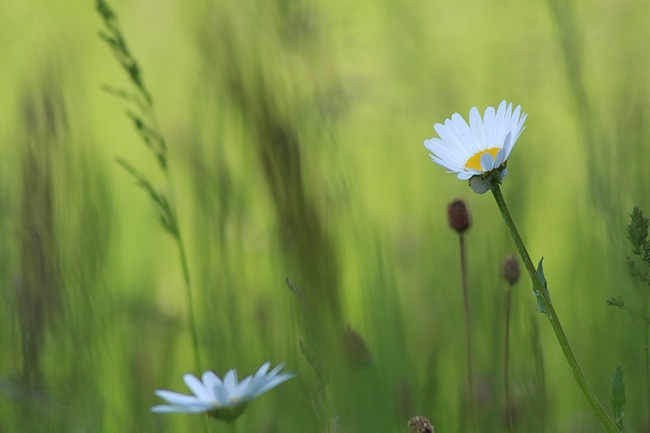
<point>275,382</point>
<point>230,381</point>
<point>180,409</point>
<point>211,381</point>
<point>263,369</point>
<point>176,398</point>
<point>222,396</point>
<point>197,387</point>
<point>487,162</point>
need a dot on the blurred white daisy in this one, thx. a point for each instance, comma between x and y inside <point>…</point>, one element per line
<point>226,399</point>
<point>480,147</point>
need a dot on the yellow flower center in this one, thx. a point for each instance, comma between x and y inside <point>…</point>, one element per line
<point>474,162</point>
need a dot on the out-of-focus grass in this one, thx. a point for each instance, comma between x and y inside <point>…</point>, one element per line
<point>295,134</point>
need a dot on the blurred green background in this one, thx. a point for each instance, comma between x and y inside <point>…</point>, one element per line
<point>295,133</point>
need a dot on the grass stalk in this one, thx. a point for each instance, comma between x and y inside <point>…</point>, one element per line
<point>146,124</point>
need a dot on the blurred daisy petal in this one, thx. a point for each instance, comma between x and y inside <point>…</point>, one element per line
<point>197,387</point>
<point>225,399</point>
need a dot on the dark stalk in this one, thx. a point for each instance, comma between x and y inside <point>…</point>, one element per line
<point>506,364</point>
<point>647,350</point>
<point>468,332</point>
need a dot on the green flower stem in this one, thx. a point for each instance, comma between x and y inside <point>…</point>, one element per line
<point>551,314</point>
<point>233,427</point>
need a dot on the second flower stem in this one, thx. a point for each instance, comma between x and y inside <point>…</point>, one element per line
<point>551,314</point>
<point>468,333</point>
<point>506,368</point>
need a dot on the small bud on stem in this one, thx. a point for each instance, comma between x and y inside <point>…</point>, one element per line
<point>355,349</point>
<point>458,216</point>
<point>510,270</point>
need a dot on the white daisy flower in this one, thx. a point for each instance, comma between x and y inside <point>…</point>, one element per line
<point>480,147</point>
<point>226,399</point>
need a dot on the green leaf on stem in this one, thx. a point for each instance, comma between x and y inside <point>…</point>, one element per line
<point>540,296</point>
<point>617,397</point>
<point>637,231</point>
<point>616,302</point>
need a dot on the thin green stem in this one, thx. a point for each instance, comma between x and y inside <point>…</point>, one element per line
<point>647,353</point>
<point>506,363</point>
<point>176,232</point>
<point>468,332</point>
<point>161,154</point>
<point>190,302</point>
<point>552,315</point>
<point>233,427</point>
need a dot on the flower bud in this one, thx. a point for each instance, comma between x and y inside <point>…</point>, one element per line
<point>510,270</point>
<point>419,424</point>
<point>355,349</point>
<point>458,216</point>
<point>228,414</point>
<point>481,184</point>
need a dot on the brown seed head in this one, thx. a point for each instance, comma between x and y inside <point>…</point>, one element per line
<point>510,270</point>
<point>458,216</point>
<point>419,424</point>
